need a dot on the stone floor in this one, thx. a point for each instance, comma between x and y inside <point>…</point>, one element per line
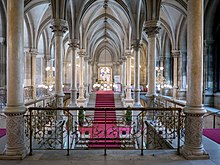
<point>114,157</point>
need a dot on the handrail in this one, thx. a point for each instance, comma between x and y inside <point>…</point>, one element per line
<point>44,114</point>
<point>170,100</point>
<point>38,100</point>
<point>213,113</point>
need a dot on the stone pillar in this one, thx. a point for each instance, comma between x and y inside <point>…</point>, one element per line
<point>81,101</point>
<point>90,75</point>
<point>2,62</point>
<point>33,54</point>
<point>208,73</point>
<point>128,100</point>
<point>74,46</point>
<point>175,55</point>
<point>152,28</point>
<point>86,59</point>
<point>15,109</point>
<point>124,80</point>
<point>194,110</point>
<point>136,47</point>
<point>59,27</point>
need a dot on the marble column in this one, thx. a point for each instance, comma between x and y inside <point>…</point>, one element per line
<point>208,73</point>
<point>2,62</point>
<point>90,75</point>
<point>81,101</point>
<point>161,64</point>
<point>33,53</point>
<point>74,45</point>
<point>15,109</point>
<point>128,100</point>
<point>175,55</point>
<point>136,48</point>
<point>124,77</point>
<point>121,75</point>
<point>194,110</point>
<point>152,28</point>
<point>43,64</point>
<point>86,75</point>
<point>59,27</point>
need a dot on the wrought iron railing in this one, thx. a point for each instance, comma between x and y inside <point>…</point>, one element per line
<point>164,102</point>
<point>211,118</point>
<point>3,97</point>
<point>78,128</point>
<point>28,92</point>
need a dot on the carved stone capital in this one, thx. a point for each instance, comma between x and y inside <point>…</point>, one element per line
<point>161,58</point>
<point>128,53</point>
<point>152,28</point>
<point>86,58</point>
<point>33,52</point>
<point>136,45</point>
<point>82,53</point>
<point>74,43</point>
<point>2,40</point>
<point>123,58</point>
<point>59,26</point>
<point>176,53</point>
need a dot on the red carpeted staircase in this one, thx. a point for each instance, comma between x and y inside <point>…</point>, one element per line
<point>105,122</point>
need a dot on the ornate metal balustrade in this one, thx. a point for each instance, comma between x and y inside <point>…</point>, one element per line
<point>77,128</point>
<point>28,92</point>
<point>164,102</point>
<point>3,97</point>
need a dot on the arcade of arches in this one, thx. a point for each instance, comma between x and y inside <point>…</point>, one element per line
<point>111,45</point>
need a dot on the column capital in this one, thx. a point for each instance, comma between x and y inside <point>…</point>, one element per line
<point>59,26</point>
<point>128,53</point>
<point>86,58</point>
<point>208,42</point>
<point>2,40</point>
<point>82,52</point>
<point>176,53</point>
<point>161,58</point>
<point>136,44</point>
<point>32,51</point>
<point>74,43</point>
<point>152,28</point>
<point>123,58</point>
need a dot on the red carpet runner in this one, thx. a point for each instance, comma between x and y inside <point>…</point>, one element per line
<point>213,134</point>
<point>2,132</point>
<point>102,125</point>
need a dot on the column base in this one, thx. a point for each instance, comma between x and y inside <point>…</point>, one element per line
<point>73,104</point>
<point>193,153</point>
<point>137,105</point>
<point>12,157</point>
<point>59,99</point>
<point>150,100</point>
<point>81,102</point>
<point>128,102</point>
